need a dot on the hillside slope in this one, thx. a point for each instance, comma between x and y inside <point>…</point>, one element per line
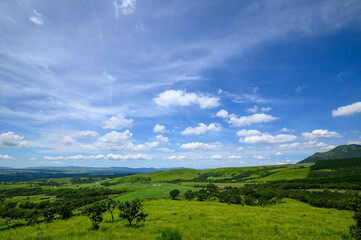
<point>343,151</point>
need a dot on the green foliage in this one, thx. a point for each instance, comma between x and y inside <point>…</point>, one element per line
<point>355,230</point>
<point>110,205</point>
<point>132,210</point>
<point>170,234</point>
<point>189,195</point>
<point>64,209</point>
<point>49,213</point>
<point>94,213</point>
<point>174,193</point>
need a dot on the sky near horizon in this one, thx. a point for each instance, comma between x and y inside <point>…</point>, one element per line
<point>198,84</point>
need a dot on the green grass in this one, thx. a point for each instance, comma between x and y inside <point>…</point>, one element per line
<point>287,174</point>
<point>152,192</point>
<point>203,220</point>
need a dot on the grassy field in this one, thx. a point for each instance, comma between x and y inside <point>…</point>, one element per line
<point>154,191</point>
<point>287,174</point>
<point>203,220</point>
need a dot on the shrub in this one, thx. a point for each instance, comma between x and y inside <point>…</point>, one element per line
<point>189,195</point>
<point>94,213</point>
<point>174,193</point>
<point>132,210</point>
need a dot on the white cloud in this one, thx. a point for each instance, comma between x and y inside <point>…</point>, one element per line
<point>279,154</point>
<point>222,114</point>
<point>320,133</point>
<point>5,157</point>
<point>89,134</point>
<point>306,145</point>
<point>162,138</point>
<point>202,129</point>
<point>182,98</point>
<point>37,18</point>
<point>67,140</point>
<point>256,109</point>
<point>165,150</point>
<point>118,122</point>
<point>354,142</point>
<point>287,130</point>
<point>201,146</point>
<point>159,128</point>
<point>256,137</point>
<point>10,139</point>
<point>116,141</point>
<point>125,7</point>
<point>128,157</point>
<point>177,158</point>
<point>347,110</point>
<point>245,120</point>
<point>53,158</point>
<point>258,157</point>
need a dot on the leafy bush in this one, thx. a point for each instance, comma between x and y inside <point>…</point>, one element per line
<point>132,210</point>
<point>174,193</point>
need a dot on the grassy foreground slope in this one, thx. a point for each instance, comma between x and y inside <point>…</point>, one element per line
<point>203,220</point>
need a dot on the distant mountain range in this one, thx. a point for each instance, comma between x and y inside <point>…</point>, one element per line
<point>342,151</point>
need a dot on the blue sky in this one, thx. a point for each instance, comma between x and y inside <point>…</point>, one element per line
<point>198,84</point>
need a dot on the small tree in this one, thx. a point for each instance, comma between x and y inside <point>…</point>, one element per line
<point>94,213</point>
<point>64,209</point>
<point>48,214</point>
<point>202,195</point>
<point>132,210</point>
<point>189,195</point>
<point>174,193</point>
<point>355,230</point>
<point>110,205</point>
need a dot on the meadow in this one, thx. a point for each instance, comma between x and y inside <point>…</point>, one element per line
<point>203,220</point>
<point>299,201</point>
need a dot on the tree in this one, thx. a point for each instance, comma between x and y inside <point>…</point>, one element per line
<point>64,209</point>
<point>355,230</point>
<point>94,213</point>
<point>110,205</point>
<point>132,210</point>
<point>189,195</point>
<point>174,193</point>
<point>49,213</point>
<point>202,195</point>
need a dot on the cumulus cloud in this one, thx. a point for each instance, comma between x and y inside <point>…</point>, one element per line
<point>162,138</point>
<point>202,129</point>
<point>10,139</point>
<point>199,146</point>
<point>5,157</point>
<point>256,137</point>
<point>320,133</point>
<point>287,130</point>
<point>116,141</point>
<point>128,157</point>
<point>89,134</point>
<point>279,154</point>
<point>117,122</point>
<point>125,7</point>
<point>165,150</point>
<point>182,98</point>
<point>37,18</point>
<point>256,109</point>
<point>177,158</point>
<point>245,120</point>
<point>347,110</point>
<point>159,128</point>
<point>306,145</point>
<point>67,140</point>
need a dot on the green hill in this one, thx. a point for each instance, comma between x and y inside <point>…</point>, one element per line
<point>343,151</point>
